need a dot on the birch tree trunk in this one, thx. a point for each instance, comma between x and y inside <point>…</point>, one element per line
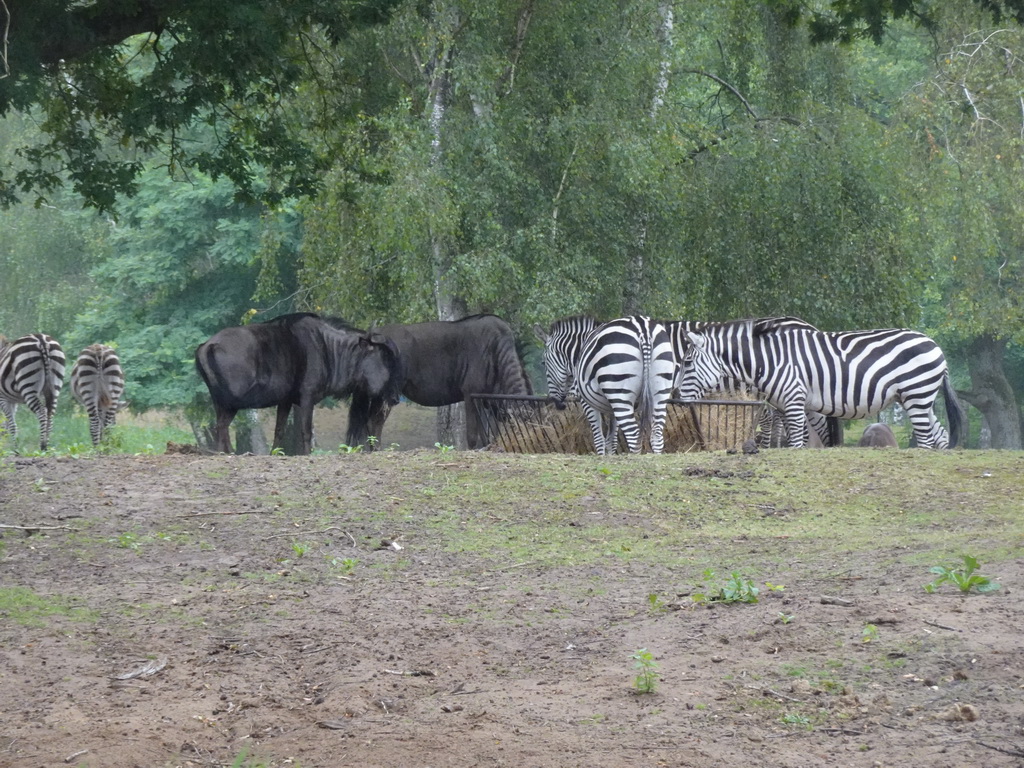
<point>451,419</point>
<point>633,291</point>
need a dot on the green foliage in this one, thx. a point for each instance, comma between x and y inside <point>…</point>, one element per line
<point>964,578</point>
<point>869,633</point>
<point>145,74</point>
<point>647,678</point>
<point>735,589</point>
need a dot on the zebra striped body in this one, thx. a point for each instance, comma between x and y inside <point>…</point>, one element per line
<point>849,375</point>
<point>622,371</point>
<point>31,372</point>
<point>97,382</point>
<point>828,429</point>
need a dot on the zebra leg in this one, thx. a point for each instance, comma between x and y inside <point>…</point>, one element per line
<point>630,429</point>
<point>10,426</point>
<point>596,427</point>
<point>928,432</point>
<point>796,424</point>
<point>95,425</point>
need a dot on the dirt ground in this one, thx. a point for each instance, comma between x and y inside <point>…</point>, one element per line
<point>183,622</point>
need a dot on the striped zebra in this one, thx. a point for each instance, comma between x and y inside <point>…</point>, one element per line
<point>31,372</point>
<point>850,375</point>
<point>622,371</point>
<point>828,429</point>
<point>97,383</point>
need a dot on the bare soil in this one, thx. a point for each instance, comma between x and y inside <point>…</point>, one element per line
<point>206,611</point>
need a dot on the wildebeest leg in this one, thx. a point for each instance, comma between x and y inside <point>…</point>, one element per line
<point>474,427</point>
<point>221,435</point>
<point>281,425</point>
<point>304,421</point>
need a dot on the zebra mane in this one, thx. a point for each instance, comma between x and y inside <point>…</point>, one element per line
<point>575,321</point>
<point>762,325</point>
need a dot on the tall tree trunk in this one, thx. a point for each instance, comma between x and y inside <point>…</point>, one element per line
<point>991,392</point>
<point>451,420</point>
<point>632,299</point>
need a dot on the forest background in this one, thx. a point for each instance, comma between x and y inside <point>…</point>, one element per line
<point>171,167</point>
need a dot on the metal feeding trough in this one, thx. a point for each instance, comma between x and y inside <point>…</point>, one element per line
<point>531,424</point>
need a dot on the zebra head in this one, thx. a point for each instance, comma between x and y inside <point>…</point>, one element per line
<point>701,369</point>
<point>562,346</point>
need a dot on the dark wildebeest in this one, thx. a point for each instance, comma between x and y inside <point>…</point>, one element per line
<point>445,362</point>
<point>296,360</point>
<point>878,436</point>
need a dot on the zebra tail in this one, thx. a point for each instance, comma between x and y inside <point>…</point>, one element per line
<point>954,412</point>
<point>49,396</point>
<point>645,403</point>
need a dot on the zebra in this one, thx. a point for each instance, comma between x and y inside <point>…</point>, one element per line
<point>623,370</point>
<point>97,382</point>
<point>850,374</point>
<point>31,372</point>
<point>828,428</point>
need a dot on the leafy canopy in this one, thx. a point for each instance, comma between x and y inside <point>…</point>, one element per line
<point>108,78</point>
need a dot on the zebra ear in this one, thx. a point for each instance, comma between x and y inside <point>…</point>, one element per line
<point>696,341</point>
<point>540,333</point>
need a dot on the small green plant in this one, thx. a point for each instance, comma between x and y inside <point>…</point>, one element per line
<point>791,718</point>
<point>444,448</point>
<point>869,634</point>
<point>278,451</point>
<point>128,540</point>
<point>785,618</point>
<point>344,566</point>
<point>964,578</point>
<point>647,677</point>
<point>301,548</point>
<point>656,604</point>
<point>775,587</point>
<point>345,448</point>
<point>735,590</point>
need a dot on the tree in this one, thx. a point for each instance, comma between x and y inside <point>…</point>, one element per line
<point>183,261</point>
<point>967,125</point>
<point>109,79</point>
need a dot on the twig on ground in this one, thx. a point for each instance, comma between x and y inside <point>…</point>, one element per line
<point>1013,752</point>
<point>37,527</point>
<point>941,626</point>
<point>829,600</point>
<point>306,533</point>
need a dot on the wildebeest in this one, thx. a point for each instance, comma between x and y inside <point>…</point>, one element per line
<point>296,360</point>
<point>444,362</point>
<point>878,435</point>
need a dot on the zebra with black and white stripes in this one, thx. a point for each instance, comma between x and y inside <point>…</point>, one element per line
<point>97,382</point>
<point>850,375</point>
<point>31,372</point>
<point>623,371</point>
<point>828,429</point>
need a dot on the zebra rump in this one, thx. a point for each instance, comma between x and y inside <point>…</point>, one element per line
<point>31,372</point>
<point>97,382</point>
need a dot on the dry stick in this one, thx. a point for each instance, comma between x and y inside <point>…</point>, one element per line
<point>1014,752</point>
<point>38,527</point>
<point>828,600</point>
<point>209,514</point>
<point>305,533</point>
<point>941,626</point>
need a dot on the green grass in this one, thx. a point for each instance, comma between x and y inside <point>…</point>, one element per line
<point>70,435</point>
<point>23,606</point>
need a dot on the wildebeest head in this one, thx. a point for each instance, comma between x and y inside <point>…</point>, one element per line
<point>378,369</point>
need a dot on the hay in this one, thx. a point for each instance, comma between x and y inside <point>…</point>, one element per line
<point>532,425</point>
